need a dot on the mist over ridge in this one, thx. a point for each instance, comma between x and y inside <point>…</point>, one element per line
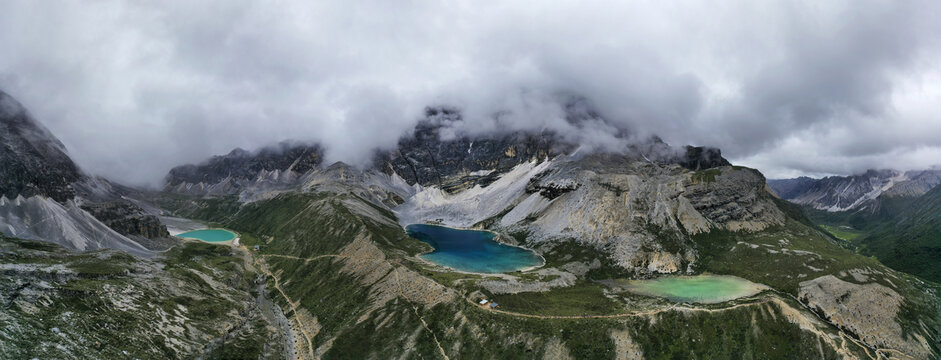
<point>836,88</point>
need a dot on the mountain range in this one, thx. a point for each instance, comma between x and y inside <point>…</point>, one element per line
<point>323,267</point>
<point>863,192</point>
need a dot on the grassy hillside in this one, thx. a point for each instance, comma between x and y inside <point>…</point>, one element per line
<point>910,241</point>
<point>358,306</point>
<point>196,301</point>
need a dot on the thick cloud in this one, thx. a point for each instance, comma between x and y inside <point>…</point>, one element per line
<point>134,88</point>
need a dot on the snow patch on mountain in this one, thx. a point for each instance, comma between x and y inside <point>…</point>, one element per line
<point>878,187</point>
<point>471,206</point>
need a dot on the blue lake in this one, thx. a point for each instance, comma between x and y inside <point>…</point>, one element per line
<point>472,250</point>
<point>209,235</point>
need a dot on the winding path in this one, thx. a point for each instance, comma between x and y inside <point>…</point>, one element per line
<point>277,285</point>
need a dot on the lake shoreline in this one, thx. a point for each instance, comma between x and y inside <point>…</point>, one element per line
<point>235,236</point>
<point>703,288</point>
<point>495,237</point>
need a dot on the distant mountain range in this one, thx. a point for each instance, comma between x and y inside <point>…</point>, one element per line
<point>892,215</point>
<point>856,192</point>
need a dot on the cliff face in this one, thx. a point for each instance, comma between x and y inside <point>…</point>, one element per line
<point>127,219</point>
<point>44,196</point>
<point>32,160</point>
<point>131,221</point>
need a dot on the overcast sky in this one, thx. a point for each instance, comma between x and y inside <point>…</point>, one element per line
<point>791,88</point>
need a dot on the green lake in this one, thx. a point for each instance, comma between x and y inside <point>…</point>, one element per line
<point>209,235</point>
<point>705,289</point>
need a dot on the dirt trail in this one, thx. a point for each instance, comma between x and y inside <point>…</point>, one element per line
<point>621,315</point>
<point>306,260</point>
<point>260,261</point>
<point>422,319</point>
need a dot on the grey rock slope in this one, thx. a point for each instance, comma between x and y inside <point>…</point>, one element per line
<point>41,218</point>
<point>44,195</point>
<point>639,213</point>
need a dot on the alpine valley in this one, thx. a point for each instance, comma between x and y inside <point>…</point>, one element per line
<point>323,267</point>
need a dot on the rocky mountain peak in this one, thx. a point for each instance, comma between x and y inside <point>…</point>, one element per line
<point>32,160</point>
<point>838,193</point>
<point>241,164</point>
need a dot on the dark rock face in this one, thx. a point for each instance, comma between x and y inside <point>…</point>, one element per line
<point>549,189</point>
<point>426,159</point>
<point>791,188</point>
<point>434,154</point>
<point>241,164</point>
<point>127,219</point>
<point>700,158</point>
<point>463,161</point>
<point>32,160</point>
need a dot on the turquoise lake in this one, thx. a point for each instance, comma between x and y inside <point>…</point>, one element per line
<point>209,235</point>
<point>701,288</point>
<point>472,250</point>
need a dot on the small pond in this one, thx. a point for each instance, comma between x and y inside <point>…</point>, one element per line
<point>209,235</point>
<point>472,250</point>
<point>705,289</point>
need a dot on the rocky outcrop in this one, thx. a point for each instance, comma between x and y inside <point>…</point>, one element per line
<point>130,220</point>
<point>734,198</point>
<point>40,218</point>
<point>701,158</point>
<point>513,285</point>
<point>127,219</point>
<point>32,160</point>
<point>868,310</point>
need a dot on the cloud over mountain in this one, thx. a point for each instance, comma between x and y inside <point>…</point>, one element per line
<point>791,88</point>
